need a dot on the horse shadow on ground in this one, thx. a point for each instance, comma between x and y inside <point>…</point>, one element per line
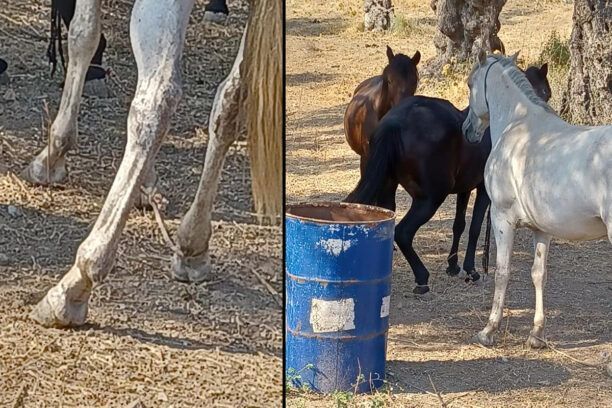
<point>314,27</point>
<point>492,375</point>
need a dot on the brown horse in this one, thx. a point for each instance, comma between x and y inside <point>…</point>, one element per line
<point>376,96</point>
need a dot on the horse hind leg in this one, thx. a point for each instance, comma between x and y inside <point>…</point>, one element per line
<point>191,261</point>
<point>538,275</point>
<point>478,215</point>
<point>453,268</point>
<point>157,32</point>
<point>49,166</point>
<point>420,212</point>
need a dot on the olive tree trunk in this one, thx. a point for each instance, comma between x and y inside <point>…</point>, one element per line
<point>378,15</point>
<point>465,27</point>
<point>588,98</point>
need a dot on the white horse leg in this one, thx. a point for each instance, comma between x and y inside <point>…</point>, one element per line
<point>538,275</point>
<point>157,32</point>
<point>192,263</point>
<point>504,239</point>
<point>49,166</point>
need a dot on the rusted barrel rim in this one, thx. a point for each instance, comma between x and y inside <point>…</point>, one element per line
<point>385,215</point>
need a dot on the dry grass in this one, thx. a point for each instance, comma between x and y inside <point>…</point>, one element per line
<point>327,56</point>
<point>149,339</point>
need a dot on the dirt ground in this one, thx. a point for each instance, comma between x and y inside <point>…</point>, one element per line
<point>429,347</point>
<point>148,338</point>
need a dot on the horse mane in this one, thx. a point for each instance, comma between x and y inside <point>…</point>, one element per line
<point>520,80</point>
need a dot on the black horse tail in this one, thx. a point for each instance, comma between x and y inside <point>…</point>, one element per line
<point>487,244</point>
<point>384,147</point>
<point>56,38</point>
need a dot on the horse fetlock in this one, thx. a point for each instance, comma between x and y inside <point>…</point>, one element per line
<point>191,268</point>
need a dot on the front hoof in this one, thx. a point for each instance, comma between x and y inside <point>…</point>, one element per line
<point>36,173</point>
<point>484,338</point>
<point>54,310</point>
<point>420,289</point>
<point>191,269</point>
<point>453,270</point>
<point>536,342</point>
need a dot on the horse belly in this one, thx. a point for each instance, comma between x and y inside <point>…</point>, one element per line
<point>573,224</point>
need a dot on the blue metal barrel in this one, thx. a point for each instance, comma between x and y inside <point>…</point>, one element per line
<point>338,285</point>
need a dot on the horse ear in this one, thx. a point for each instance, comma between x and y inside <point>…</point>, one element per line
<point>482,57</point>
<point>416,58</point>
<point>544,69</point>
<point>390,53</point>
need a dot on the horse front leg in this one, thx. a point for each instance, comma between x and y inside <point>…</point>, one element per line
<point>478,215</point>
<point>538,275</point>
<point>192,260</point>
<point>157,35</point>
<point>458,228</point>
<point>49,167</point>
<point>504,239</point>
<point>420,212</point>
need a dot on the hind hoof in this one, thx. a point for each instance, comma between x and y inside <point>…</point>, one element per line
<point>214,17</point>
<point>484,339</point>
<point>535,343</point>
<point>191,269</point>
<point>473,277</point>
<point>453,270</point>
<point>421,289</point>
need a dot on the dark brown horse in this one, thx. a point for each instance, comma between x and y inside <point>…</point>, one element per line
<point>419,145</point>
<point>375,96</point>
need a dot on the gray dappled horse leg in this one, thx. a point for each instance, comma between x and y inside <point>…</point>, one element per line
<point>192,261</point>
<point>157,32</point>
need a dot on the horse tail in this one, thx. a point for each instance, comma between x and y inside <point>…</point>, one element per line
<point>384,145</point>
<point>56,39</point>
<point>487,244</point>
<point>262,105</point>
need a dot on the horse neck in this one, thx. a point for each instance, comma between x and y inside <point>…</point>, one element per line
<point>509,105</point>
<point>382,102</point>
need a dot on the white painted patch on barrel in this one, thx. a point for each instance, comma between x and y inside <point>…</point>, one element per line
<point>335,246</point>
<point>332,315</point>
<point>384,308</point>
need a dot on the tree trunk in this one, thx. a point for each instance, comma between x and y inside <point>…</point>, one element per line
<point>378,15</point>
<point>465,27</point>
<point>262,105</point>
<point>588,98</point>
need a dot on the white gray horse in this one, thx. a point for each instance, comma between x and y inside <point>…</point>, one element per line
<point>543,173</point>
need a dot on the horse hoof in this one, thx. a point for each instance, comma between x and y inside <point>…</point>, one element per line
<point>36,173</point>
<point>472,276</point>
<point>453,270</point>
<point>191,269</point>
<point>214,17</point>
<point>96,87</point>
<point>55,310</point>
<point>421,289</point>
<point>535,343</point>
<point>484,339</point>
